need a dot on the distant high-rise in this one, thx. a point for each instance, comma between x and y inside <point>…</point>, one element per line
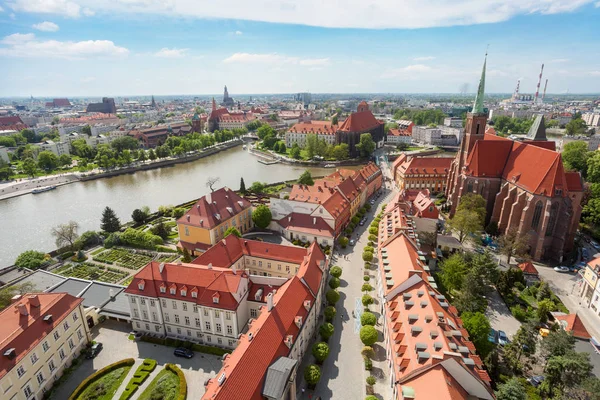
<point>304,97</point>
<point>227,101</point>
<point>107,106</point>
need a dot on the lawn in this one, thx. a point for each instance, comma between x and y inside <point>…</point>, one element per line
<point>123,258</point>
<point>105,387</point>
<point>165,387</point>
<point>168,259</point>
<point>91,271</point>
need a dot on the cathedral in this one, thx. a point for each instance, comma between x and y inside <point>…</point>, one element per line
<point>227,101</point>
<point>523,182</point>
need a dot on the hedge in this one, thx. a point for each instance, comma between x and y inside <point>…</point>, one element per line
<point>217,351</point>
<point>141,374</point>
<point>90,379</point>
<point>182,383</point>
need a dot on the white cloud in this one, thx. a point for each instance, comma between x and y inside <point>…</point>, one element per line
<point>275,59</point>
<point>559,60</point>
<point>26,45</point>
<point>595,73</point>
<point>425,58</point>
<point>406,71</point>
<point>315,62</point>
<point>171,53</point>
<point>239,33</point>
<point>46,26</point>
<point>1,9</point>
<point>597,5</point>
<point>376,14</point>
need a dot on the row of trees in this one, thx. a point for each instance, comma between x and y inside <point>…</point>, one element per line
<point>421,117</point>
<point>577,157</point>
<point>508,125</point>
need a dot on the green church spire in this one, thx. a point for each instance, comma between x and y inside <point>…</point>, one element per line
<point>478,105</point>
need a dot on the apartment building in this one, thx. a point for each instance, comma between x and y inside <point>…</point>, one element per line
<point>206,222</point>
<point>298,133</point>
<point>40,335</point>
<point>58,148</point>
<point>421,172</point>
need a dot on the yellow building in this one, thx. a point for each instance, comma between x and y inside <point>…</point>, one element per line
<point>206,222</point>
<point>40,335</point>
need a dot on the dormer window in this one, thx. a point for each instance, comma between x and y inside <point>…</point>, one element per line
<point>183,292</point>
<point>194,294</point>
<point>141,285</point>
<point>163,289</point>
<point>173,291</point>
<point>216,298</point>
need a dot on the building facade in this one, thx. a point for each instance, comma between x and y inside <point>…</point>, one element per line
<point>299,132</point>
<point>420,173</point>
<point>58,148</point>
<point>40,335</point>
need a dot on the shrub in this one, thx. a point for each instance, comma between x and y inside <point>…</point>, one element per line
<point>373,230</point>
<point>370,244</point>
<point>368,249</point>
<point>519,313</point>
<point>366,278</point>
<point>112,240</point>
<point>367,207</point>
<point>348,231</point>
<point>371,380</point>
<point>326,330</point>
<point>371,397</point>
<point>320,351</point>
<point>520,287</point>
<point>87,239</point>
<point>330,313</point>
<point>334,283</point>
<point>366,287</point>
<point>335,271</point>
<point>368,335</point>
<point>373,238</point>
<point>367,300</point>
<point>141,239</point>
<point>367,351</point>
<point>368,318</point>
<point>368,363</point>
<point>332,296</point>
<point>367,256</point>
<point>30,259</point>
<point>312,375</point>
<point>182,382</point>
<point>90,379</point>
<point>141,374</point>
<point>343,241</point>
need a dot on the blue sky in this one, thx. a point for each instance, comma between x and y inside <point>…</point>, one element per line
<point>142,47</point>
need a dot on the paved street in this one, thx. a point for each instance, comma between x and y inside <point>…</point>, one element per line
<point>500,316</point>
<point>117,346</point>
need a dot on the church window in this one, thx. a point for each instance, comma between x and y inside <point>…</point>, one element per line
<point>537,213</point>
<point>552,219</point>
<point>470,187</point>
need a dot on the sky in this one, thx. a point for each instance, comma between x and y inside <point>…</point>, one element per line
<point>169,47</point>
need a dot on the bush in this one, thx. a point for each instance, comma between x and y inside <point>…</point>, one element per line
<point>30,259</point>
<point>370,244</point>
<point>66,255</point>
<point>371,397</point>
<point>367,207</point>
<point>330,313</point>
<point>366,287</point>
<point>367,300</point>
<point>367,256</point>
<point>368,363</point>
<point>135,238</point>
<point>368,249</point>
<point>112,240</point>
<point>367,351</point>
<point>368,318</point>
<point>320,351</point>
<point>335,271</point>
<point>141,374</point>
<point>312,375</point>
<point>373,230</point>
<point>368,335</point>
<point>519,313</point>
<point>182,382</point>
<point>87,239</point>
<point>332,296</point>
<point>373,238</point>
<point>371,380</point>
<point>366,278</point>
<point>343,241</point>
<point>326,330</point>
<point>520,287</point>
<point>334,283</point>
<point>98,374</point>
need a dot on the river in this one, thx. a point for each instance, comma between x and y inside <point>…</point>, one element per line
<point>26,221</point>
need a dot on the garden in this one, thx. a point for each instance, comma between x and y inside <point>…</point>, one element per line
<point>103,384</point>
<point>91,271</point>
<point>169,384</point>
<point>123,258</point>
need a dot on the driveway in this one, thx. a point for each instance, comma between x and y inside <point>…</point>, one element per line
<point>500,316</point>
<point>275,238</point>
<point>114,336</point>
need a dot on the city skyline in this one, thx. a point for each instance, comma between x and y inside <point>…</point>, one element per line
<point>119,48</point>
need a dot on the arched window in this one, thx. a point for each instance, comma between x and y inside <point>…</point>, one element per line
<point>552,219</point>
<point>537,213</point>
<point>470,187</point>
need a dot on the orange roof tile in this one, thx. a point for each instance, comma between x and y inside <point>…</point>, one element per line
<point>211,210</point>
<point>528,268</point>
<point>572,323</point>
<point>361,121</point>
<point>314,127</point>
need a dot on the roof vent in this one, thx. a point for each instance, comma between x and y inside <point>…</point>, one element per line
<point>161,267</point>
<point>34,300</point>
<point>250,336</point>
<point>209,265</point>
<point>10,353</point>
<point>48,318</point>
<point>221,379</point>
<point>423,355</point>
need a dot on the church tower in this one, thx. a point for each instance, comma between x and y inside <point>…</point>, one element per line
<point>214,105</point>
<point>153,103</point>
<point>476,120</point>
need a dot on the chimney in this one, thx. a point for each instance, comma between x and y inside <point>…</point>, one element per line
<point>314,220</point>
<point>269,301</point>
<point>111,293</point>
<point>209,265</point>
<point>34,300</point>
<point>15,298</point>
<point>161,267</point>
<point>22,309</point>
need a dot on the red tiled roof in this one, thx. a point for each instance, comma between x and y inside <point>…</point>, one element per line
<point>307,224</point>
<point>574,182</point>
<point>488,157</point>
<point>398,132</point>
<point>318,193</point>
<point>546,144</point>
<point>314,127</point>
<point>61,102</point>
<point>336,204</point>
<point>528,268</point>
<point>572,323</point>
<point>362,121</point>
<point>312,268</point>
<point>211,210</point>
<point>23,333</point>
<point>349,189</point>
<point>222,281</point>
<point>214,115</point>
<point>12,120</point>
<point>426,165</point>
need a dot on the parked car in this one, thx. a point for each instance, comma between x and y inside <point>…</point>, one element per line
<point>536,380</point>
<point>372,201</point>
<point>502,338</point>
<point>585,253</point>
<point>493,336</point>
<point>479,250</point>
<point>94,350</point>
<point>352,242</point>
<point>562,268</point>
<point>183,352</point>
<point>595,244</point>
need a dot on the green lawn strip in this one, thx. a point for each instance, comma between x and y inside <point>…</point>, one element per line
<point>103,384</point>
<point>165,386</point>
<point>97,251</point>
<point>140,376</point>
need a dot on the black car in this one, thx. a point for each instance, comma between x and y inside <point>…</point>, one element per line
<point>94,350</point>
<point>183,352</point>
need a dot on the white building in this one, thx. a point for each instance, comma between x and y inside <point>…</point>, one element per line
<point>58,148</point>
<point>299,132</point>
<point>4,154</point>
<point>591,119</point>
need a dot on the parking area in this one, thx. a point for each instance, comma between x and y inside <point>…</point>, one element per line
<point>269,238</point>
<point>500,316</point>
<point>114,337</point>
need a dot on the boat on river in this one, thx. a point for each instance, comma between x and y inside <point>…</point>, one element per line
<point>329,165</point>
<point>43,189</point>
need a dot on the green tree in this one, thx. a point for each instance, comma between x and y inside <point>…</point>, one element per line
<point>367,256</point>
<point>152,155</point>
<point>295,151</point>
<point>453,270</point>
<point>87,130</point>
<point>306,178</point>
<point>262,216</point>
<point>264,131</point>
<point>567,371</point>
<point>511,390</point>
<point>523,343</point>
<point>161,230</point>
<point>8,141</point>
<point>30,259</point>
<point>575,155</point>
<point>139,216</point>
<point>5,171</point>
<point>110,222</point>
<point>340,152</point>
<point>257,187</point>
<point>326,330</point>
<point>343,241</point>
<point>142,156</point>
<point>591,211</point>
<point>29,167</point>
<point>186,256</point>
<point>242,186</point>
<point>465,223</point>
<point>557,343</point>
<point>473,202</point>
<point>124,143</point>
<point>65,234</point>
<point>479,328</point>
<point>544,307</point>
<point>334,282</point>
<point>232,230</point>
<point>335,271</point>
<point>8,292</point>
<point>65,160</point>
<point>47,160</point>
<point>368,318</point>
<point>512,243</point>
<point>312,142</point>
<point>368,335</point>
<point>29,135</point>
<point>329,313</point>
<point>312,374</point>
<point>320,351</point>
<point>332,296</point>
<point>366,145</point>
<point>576,126</point>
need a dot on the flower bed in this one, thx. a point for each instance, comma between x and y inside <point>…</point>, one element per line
<point>140,376</point>
<point>103,384</point>
<point>167,259</point>
<point>92,272</point>
<point>123,258</point>
<point>170,384</point>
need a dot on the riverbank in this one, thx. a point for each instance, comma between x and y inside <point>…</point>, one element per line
<point>26,186</point>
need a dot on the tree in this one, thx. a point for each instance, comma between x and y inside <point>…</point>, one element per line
<point>29,135</point>
<point>326,330</point>
<point>329,313</point>
<point>507,280</point>
<point>334,282</point>
<point>367,256</point>
<point>335,271</point>
<point>161,230</point>
<point>87,130</point>
<point>211,181</point>
<point>523,343</point>
<point>368,335</point>
<point>232,230</point>
<point>479,328</point>
<point>257,187</point>
<point>5,171</point>
<point>151,155</point>
<point>366,300</point>
<point>453,270</point>
<point>366,145</point>
<point>109,222</point>
<point>513,244</point>
<point>306,178</point>
<point>340,152</point>
<point>30,259</point>
<point>87,239</point>
<point>465,223</point>
<point>242,186</point>
<point>65,160</point>
<point>332,296</point>
<point>320,351</point>
<point>482,273</point>
<point>473,202</point>
<point>47,160</point>
<point>65,234</point>
<point>544,292</point>
<point>343,241</point>
<point>186,256</point>
<point>492,228</point>
<point>576,126</point>
<point>139,216</point>
<point>312,374</point>
<point>8,141</point>
<point>295,151</point>
<point>29,167</point>
<point>557,343</point>
<point>262,216</point>
<point>567,371</point>
<point>264,131</point>
<point>142,156</point>
<point>312,142</point>
<point>575,155</point>
<point>8,292</point>
<point>511,390</point>
<point>368,318</point>
<point>544,307</point>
